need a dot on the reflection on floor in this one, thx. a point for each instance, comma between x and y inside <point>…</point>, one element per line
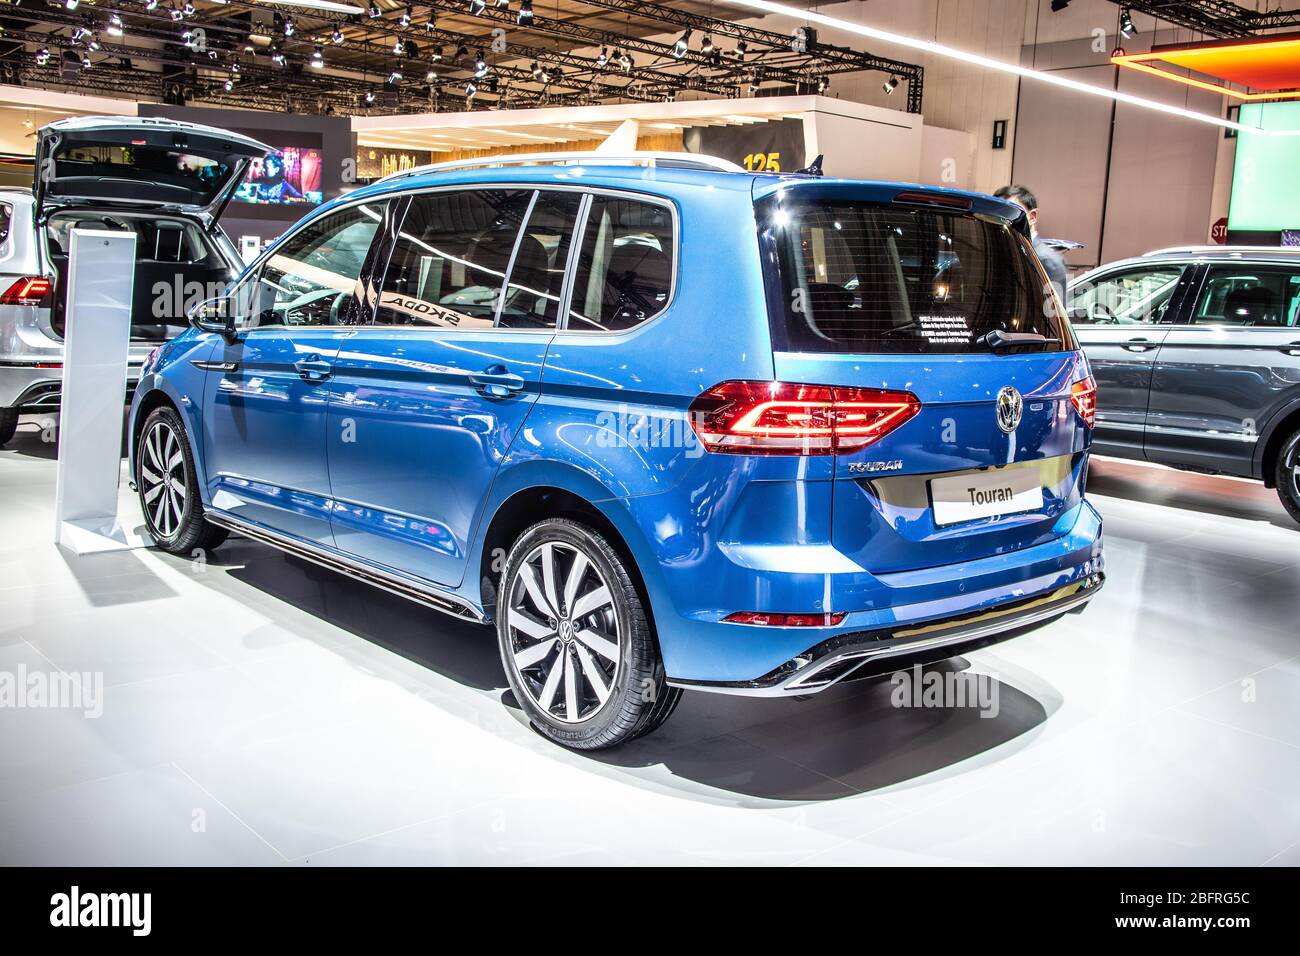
<point>257,709</point>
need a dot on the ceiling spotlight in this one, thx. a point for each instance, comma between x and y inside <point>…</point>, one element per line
<point>370,96</point>
<point>405,18</point>
<point>114,27</point>
<point>629,63</point>
<point>1126,24</point>
<point>480,65</point>
<point>603,57</point>
<point>525,13</point>
<point>707,46</point>
<point>477,6</point>
<point>336,36</point>
<point>43,56</point>
<point>683,44</point>
<point>399,48</point>
<point>187,36</point>
<point>395,77</point>
<point>462,51</point>
<point>288,26</point>
<point>503,4</point>
<point>188,9</point>
<point>71,4</point>
<point>317,58</point>
<point>822,84</point>
<point>228,85</point>
<point>437,54</point>
<point>891,84</point>
<point>234,68</point>
<point>374,12</point>
<point>430,75</point>
<point>92,42</point>
<point>85,61</point>
<point>470,89</point>
<point>741,49</point>
<point>431,24</point>
<point>175,13</point>
<point>151,4</point>
<point>277,57</point>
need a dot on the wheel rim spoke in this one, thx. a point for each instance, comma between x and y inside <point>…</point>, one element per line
<point>571,702</point>
<point>548,575</point>
<point>547,696</point>
<point>601,645</point>
<point>577,571</point>
<point>593,600</point>
<point>532,655</point>
<point>527,625</point>
<point>595,676</point>
<point>529,577</point>
<point>151,492</point>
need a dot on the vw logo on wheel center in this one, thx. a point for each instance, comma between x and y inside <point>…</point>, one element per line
<point>1011,407</point>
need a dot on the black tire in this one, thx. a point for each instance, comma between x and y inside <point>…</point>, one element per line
<point>177,526</point>
<point>637,698</point>
<point>1287,476</point>
<point>8,424</point>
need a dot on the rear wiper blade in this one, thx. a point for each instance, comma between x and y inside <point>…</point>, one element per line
<point>997,340</point>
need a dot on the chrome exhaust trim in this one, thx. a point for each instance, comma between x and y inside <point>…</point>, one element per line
<point>849,653</point>
<point>412,590</point>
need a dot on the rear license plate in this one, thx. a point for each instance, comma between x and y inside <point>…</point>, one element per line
<point>986,494</point>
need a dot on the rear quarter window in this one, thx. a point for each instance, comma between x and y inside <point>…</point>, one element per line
<point>859,277</point>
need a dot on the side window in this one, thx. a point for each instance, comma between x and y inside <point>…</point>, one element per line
<point>312,277</point>
<point>449,261</point>
<point>625,266</point>
<point>6,214</point>
<point>532,297</point>
<point>1135,297</point>
<point>1250,298</point>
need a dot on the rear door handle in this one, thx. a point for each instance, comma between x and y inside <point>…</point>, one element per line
<point>1139,345</point>
<point>497,381</point>
<point>1292,349</point>
<point>313,368</point>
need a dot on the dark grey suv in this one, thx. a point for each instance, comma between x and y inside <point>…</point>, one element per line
<point>1196,352</point>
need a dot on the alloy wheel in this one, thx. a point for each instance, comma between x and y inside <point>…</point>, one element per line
<point>162,479</point>
<point>564,632</point>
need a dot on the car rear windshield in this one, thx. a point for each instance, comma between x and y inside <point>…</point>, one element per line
<point>84,169</point>
<point>860,277</point>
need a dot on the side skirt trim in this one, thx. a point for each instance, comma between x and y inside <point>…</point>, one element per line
<point>419,592</point>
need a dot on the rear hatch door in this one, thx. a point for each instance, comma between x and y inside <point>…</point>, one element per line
<point>890,288</point>
<point>140,163</point>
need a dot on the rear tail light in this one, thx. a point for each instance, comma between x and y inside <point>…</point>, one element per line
<point>780,418</point>
<point>1083,396</point>
<point>764,619</point>
<point>28,290</point>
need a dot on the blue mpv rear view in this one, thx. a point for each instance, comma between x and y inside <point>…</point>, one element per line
<point>664,424</point>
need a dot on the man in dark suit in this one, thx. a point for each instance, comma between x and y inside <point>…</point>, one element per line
<point>1052,260</point>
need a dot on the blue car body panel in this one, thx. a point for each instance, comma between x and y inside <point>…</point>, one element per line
<point>603,417</point>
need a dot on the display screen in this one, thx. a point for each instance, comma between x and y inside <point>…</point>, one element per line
<point>289,176</point>
<point>1265,188</point>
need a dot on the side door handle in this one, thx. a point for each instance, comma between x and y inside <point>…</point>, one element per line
<point>496,381</point>
<point>1139,345</point>
<point>1292,348</point>
<point>313,368</point>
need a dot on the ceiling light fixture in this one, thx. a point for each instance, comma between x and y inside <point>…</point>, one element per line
<point>683,44</point>
<point>525,13</point>
<point>329,5</point>
<point>1126,24</point>
<point>939,49</point>
<point>114,27</point>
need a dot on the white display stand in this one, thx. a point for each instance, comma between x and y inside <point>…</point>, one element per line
<point>96,345</point>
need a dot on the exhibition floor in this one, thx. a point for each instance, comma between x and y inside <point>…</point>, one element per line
<point>257,709</point>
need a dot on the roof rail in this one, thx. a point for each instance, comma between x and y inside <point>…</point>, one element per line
<point>585,158</point>
<point>1173,250</point>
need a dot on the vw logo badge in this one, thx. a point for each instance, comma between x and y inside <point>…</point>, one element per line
<point>1011,407</point>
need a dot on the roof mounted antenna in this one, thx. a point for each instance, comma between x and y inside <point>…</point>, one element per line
<point>812,169</point>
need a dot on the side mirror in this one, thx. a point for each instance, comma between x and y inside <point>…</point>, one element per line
<point>215,315</point>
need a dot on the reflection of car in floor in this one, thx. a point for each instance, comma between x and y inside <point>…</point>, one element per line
<point>1197,357</point>
<point>658,448</point>
<point>165,181</point>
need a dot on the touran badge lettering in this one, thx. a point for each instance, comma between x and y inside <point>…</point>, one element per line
<point>1011,408</point>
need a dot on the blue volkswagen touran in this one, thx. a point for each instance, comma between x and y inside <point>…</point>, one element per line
<point>665,424</point>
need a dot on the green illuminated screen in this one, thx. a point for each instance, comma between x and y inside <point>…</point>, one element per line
<point>1265,186</point>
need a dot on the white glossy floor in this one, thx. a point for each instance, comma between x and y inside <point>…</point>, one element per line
<point>258,710</point>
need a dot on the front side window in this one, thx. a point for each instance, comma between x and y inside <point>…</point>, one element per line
<point>1250,298</point>
<point>449,262</point>
<point>312,277</point>
<point>1135,297</point>
<point>625,267</point>
<point>860,277</point>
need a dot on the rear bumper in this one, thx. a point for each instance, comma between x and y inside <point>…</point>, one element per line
<point>33,390</point>
<point>848,656</point>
